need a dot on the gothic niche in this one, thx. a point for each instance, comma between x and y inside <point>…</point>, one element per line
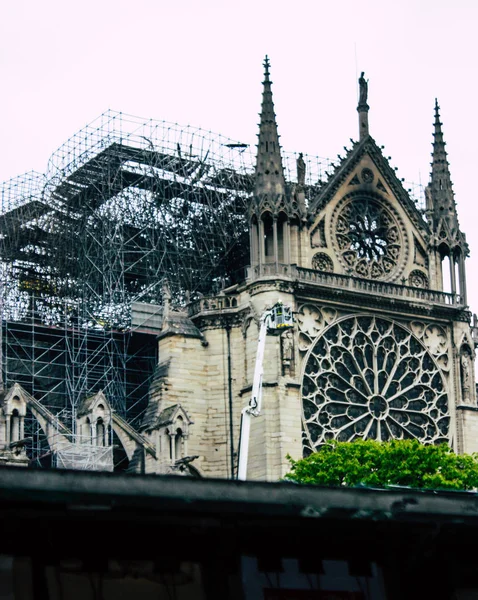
<point>367,238</point>
<point>418,279</point>
<point>322,262</point>
<point>287,354</point>
<point>370,378</point>
<point>466,376</point>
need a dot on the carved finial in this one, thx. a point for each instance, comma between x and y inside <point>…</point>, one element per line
<point>267,64</point>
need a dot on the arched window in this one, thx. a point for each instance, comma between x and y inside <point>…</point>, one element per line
<point>15,426</point>
<point>178,444</point>
<point>100,432</point>
<point>268,237</point>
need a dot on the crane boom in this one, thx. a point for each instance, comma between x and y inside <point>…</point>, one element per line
<point>273,321</point>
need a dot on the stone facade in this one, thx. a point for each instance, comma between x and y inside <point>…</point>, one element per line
<point>379,349</point>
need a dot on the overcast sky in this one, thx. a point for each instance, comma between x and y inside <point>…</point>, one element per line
<point>199,62</point>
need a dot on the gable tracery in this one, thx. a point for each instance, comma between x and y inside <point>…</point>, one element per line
<point>369,237</point>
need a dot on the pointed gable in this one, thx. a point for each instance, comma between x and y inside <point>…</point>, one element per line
<point>354,170</point>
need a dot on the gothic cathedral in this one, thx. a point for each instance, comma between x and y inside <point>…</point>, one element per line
<point>379,349</point>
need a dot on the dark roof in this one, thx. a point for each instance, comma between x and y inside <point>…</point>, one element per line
<point>303,502</point>
<point>178,323</point>
<point>86,403</point>
<point>166,415</point>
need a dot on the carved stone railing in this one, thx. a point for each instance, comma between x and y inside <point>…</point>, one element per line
<point>346,282</point>
<point>378,287</point>
<point>213,304</point>
<point>270,270</point>
<point>329,280</point>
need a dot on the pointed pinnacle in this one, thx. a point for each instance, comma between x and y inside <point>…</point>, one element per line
<point>438,123</point>
<point>267,64</point>
<point>269,170</point>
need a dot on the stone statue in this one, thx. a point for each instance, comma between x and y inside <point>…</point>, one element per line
<point>465,378</point>
<point>287,348</point>
<point>363,83</point>
<point>300,170</point>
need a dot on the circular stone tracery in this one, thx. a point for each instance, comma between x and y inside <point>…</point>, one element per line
<point>368,238</point>
<point>367,377</point>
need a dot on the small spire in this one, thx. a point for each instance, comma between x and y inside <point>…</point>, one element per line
<point>269,171</point>
<point>363,107</point>
<point>440,179</point>
<point>441,206</point>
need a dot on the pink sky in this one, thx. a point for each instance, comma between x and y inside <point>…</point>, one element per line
<point>200,62</point>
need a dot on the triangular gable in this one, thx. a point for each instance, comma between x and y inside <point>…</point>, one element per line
<point>347,170</point>
<point>168,416</point>
<point>15,391</point>
<point>89,404</point>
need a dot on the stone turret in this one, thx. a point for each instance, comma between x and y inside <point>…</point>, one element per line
<point>274,209</point>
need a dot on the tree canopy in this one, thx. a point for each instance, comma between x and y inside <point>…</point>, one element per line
<point>381,464</point>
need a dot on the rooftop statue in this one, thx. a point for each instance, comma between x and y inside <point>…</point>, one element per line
<point>363,83</point>
<point>301,170</point>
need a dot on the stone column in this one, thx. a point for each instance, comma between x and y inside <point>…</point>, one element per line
<point>172,439</point>
<point>462,277</point>
<point>93,434</point>
<point>286,237</point>
<point>276,245</point>
<point>185,441</point>
<point>7,429</point>
<point>261,245</point>
<point>452,274</point>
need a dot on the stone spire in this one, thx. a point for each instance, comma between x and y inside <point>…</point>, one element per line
<point>446,239</point>
<point>363,107</point>
<point>441,207</point>
<point>269,171</point>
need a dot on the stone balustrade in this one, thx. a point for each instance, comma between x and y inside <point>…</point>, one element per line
<point>213,304</point>
<point>377,287</point>
<point>346,282</point>
<point>329,280</point>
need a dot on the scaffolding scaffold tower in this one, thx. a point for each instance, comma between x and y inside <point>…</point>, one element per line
<point>125,204</point>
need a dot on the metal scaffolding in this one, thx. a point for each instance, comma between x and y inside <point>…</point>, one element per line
<point>125,205</point>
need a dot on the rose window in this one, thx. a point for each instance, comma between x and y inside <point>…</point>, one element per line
<point>368,239</point>
<point>368,377</point>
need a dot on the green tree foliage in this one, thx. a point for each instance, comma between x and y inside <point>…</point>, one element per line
<point>380,464</point>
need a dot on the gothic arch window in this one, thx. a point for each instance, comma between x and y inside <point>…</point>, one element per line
<point>100,432</point>
<point>178,443</point>
<point>268,237</point>
<point>14,426</point>
<point>368,377</point>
